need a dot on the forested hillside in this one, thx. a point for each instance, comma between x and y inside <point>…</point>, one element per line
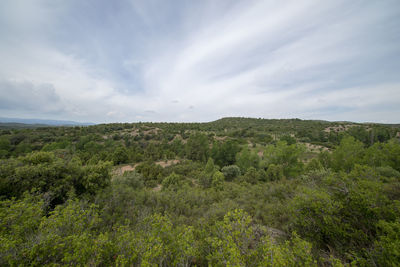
<point>233,192</point>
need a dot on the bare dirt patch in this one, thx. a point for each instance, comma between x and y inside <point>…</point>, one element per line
<point>157,188</point>
<point>340,128</point>
<point>126,168</point>
<point>152,131</point>
<point>249,144</point>
<point>220,138</point>
<point>315,148</point>
<point>168,162</point>
<point>134,132</point>
<point>120,170</point>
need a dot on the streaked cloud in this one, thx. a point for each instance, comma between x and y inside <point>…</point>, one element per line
<point>106,61</point>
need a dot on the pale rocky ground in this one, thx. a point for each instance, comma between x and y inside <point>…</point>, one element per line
<point>125,168</point>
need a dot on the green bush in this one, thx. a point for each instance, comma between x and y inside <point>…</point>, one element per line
<point>231,172</point>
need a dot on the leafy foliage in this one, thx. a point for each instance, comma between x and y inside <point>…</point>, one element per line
<point>234,192</point>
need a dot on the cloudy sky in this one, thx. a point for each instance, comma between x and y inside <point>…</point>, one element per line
<point>128,60</point>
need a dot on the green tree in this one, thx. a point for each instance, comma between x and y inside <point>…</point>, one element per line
<point>316,217</point>
<point>218,180</point>
<point>224,153</point>
<point>130,178</point>
<point>231,246</point>
<point>231,172</point>
<point>246,159</point>
<point>210,167</point>
<point>288,139</point>
<point>157,241</point>
<point>286,156</point>
<point>68,236</point>
<point>314,165</point>
<point>206,176</point>
<point>120,155</point>
<point>19,221</point>
<point>387,247</point>
<point>392,152</point>
<point>96,177</point>
<point>172,181</point>
<point>5,143</point>
<point>274,172</point>
<point>152,152</point>
<point>294,252</point>
<point>152,173</point>
<point>349,152</point>
<point>251,176</point>
<point>5,147</point>
<point>197,147</point>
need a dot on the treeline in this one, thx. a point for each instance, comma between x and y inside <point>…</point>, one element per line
<point>227,201</point>
<point>16,142</point>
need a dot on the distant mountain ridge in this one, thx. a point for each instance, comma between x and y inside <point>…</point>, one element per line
<point>45,122</point>
<point>287,120</point>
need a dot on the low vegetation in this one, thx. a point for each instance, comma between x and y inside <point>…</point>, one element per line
<point>233,192</point>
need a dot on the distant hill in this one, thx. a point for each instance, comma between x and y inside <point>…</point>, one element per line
<point>243,121</point>
<point>15,125</point>
<point>42,122</point>
<point>279,124</point>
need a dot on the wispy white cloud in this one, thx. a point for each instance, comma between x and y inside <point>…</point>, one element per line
<point>200,61</point>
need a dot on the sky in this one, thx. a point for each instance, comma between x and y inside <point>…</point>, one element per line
<point>195,61</point>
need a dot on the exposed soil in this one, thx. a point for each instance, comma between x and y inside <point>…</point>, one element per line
<point>152,131</point>
<point>315,148</point>
<point>120,170</point>
<point>340,128</point>
<point>220,138</point>
<point>126,168</point>
<point>134,132</point>
<point>157,188</point>
<point>168,162</point>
